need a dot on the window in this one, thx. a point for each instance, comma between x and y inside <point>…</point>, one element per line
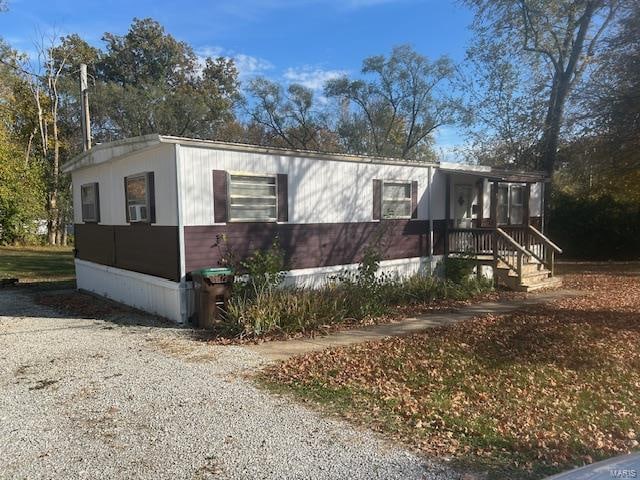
<point>90,202</point>
<point>396,200</point>
<point>137,195</point>
<point>503,205</point>
<point>516,214</point>
<point>510,204</point>
<point>252,198</point>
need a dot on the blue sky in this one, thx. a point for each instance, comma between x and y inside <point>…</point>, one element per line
<point>306,41</point>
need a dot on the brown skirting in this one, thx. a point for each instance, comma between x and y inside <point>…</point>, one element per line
<point>311,245</point>
<point>142,248</point>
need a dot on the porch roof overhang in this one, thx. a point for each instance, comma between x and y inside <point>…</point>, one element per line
<point>493,174</point>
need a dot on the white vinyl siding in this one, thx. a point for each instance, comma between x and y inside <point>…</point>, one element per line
<point>319,191</point>
<point>252,198</point>
<point>160,160</point>
<point>396,200</point>
<point>89,200</point>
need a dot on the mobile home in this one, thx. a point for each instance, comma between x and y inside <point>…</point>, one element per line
<point>149,210</point>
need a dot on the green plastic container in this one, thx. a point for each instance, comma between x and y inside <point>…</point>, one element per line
<point>212,272</point>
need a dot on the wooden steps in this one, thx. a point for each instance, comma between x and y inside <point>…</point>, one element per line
<point>522,257</point>
<point>534,277</point>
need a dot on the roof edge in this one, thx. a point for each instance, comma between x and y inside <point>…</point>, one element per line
<point>133,144</point>
<point>126,146</point>
<point>292,152</point>
<point>491,172</point>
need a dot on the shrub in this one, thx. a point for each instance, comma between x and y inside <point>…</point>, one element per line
<point>594,229</point>
<point>458,269</point>
<point>365,288</point>
<point>287,310</point>
<point>265,269</point>
<point>290,310</point>
<point>258,307</point>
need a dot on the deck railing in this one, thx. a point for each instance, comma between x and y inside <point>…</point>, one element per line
<point>475,241</point>
<point>510,252</point>
<point>543,249</point>
<point>510,244</point>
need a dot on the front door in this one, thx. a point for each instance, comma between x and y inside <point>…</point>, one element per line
<point>462,206</point>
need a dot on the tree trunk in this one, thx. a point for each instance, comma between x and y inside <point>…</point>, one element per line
<point>564,77</point>
<point>553,123</point>
<point>55,171</point>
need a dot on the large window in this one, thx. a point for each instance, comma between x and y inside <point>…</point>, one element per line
<point>137,194</point>
<point>252,198</point>
<point>503,205</point>
<point>510,204</point>
<point>516,211</point>
<point>90,202</point>
<point>396,200</point>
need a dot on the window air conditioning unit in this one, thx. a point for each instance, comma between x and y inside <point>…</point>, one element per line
<point>137,213</point>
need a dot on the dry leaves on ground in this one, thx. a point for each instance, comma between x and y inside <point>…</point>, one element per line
<point>529,392</point>
<point>82,305</point>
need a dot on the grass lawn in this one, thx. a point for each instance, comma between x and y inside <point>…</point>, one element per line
<point>31,264</point>
<point>520,395</point>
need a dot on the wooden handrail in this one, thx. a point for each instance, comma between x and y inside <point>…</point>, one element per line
<point>513,243</point>
<point>471,229</point>
<point>546,240</point>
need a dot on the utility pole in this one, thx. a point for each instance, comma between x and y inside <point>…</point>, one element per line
<point>84,117</point>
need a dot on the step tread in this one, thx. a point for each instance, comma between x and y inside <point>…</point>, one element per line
<point>548,283</point>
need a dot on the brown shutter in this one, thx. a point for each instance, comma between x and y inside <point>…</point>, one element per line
<point>377,199</point>
<point>283,197</point>
<point>414,199</point>
<point>97,200</point>
<point>219,196</point>
<point>151,195</point>
<point>126,202</point>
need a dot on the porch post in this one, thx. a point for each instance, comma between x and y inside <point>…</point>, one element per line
<point>447,213</point>
<point>480,214</point>
<point>526,215</point>
<point>494,223</point>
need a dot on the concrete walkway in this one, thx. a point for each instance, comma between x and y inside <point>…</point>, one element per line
<point>281,350</point>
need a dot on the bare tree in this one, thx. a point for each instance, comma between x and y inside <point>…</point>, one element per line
<point>402,105</point>
<point>45,74</point>
<point>289,114</point>
<point>563,35</point>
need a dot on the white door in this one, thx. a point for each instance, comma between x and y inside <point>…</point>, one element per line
<point>462,206</point>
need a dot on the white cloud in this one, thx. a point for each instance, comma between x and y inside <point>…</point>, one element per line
<point>311,77</point>
<point>247,65</point>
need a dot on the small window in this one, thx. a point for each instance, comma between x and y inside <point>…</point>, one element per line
<point>516,213</point>
<point>89,199</point>
<point>137,195</point>
<point>253,198</point>
<point>396,200</point>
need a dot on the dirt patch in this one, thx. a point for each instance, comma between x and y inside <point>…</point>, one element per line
<point>82,305</point>
<point>183,349</point>
<point>42,384</point>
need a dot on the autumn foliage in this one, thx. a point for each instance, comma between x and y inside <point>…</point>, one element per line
<point>519,395</point>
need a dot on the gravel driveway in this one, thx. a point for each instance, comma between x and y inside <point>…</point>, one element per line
<point>95,399</point>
